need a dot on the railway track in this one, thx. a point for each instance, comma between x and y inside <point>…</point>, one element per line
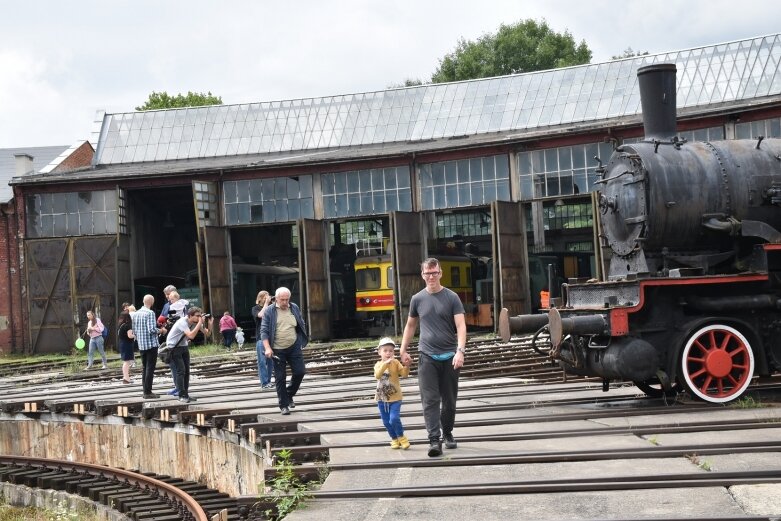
<point>500,407</point>
<point>312,448</point>
<point>138,496</point>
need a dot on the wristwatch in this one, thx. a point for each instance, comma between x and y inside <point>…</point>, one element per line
<point>461,350</point>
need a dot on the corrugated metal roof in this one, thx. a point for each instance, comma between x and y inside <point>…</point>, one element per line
<point>724,73</point>
<point>42,156</point>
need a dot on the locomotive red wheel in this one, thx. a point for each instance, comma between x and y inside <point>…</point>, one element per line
<point>717,363</point>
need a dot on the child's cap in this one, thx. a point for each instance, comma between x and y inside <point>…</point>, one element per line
<point>386,341</point>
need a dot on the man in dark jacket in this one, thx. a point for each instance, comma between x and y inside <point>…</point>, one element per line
<point>284,337</point>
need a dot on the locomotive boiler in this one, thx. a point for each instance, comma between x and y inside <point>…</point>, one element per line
<point>692,294</point>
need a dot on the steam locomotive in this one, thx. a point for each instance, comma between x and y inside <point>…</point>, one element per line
<point>692,294</point>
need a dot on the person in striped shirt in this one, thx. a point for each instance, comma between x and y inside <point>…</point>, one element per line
<point>146,331</point>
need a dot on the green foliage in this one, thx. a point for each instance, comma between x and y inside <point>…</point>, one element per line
<point>525,46</point>
<point>747,402</point>
<point>62,512</point>
<point>285,490</point>
<point>628,53</point>
<point>408,82</point>
<point>703,464</point>
<point>162,100</point>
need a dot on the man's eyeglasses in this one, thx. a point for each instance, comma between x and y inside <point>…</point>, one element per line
<point>431,273</point>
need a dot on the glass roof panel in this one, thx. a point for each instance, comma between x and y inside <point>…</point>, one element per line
<point>714,74</point>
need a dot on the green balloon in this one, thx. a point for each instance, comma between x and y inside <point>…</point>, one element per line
<point>80,343</point>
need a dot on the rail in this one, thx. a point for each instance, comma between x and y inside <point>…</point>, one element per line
<point>166,497</point>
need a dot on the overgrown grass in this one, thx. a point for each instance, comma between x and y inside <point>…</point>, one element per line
<point>61,513</point>
<point>747,402</point>
<point>77,359</point>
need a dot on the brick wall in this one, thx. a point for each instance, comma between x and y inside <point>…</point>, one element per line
<point>79,158</point>
<point>12,325</point>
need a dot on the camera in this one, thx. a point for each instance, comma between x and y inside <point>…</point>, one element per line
<point>207,316</point>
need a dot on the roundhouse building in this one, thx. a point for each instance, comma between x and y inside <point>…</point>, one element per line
<point>225,200</point>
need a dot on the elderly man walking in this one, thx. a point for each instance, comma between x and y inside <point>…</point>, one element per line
<point>284,337</point>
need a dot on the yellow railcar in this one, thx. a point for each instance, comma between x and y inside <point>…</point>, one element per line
<point>374,282</point>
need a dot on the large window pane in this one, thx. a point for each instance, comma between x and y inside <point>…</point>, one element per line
<point>467,182</point>
<point>71,214</point>
<point>267,200</point>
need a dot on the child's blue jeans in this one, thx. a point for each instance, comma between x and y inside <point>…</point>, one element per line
<point>390,412</point>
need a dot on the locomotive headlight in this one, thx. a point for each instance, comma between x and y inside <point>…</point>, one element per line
<point>367,300</point>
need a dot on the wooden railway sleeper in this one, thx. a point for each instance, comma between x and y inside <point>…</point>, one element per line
<point>233,420</point>
<point>201,415</point>
<point>290,439</point>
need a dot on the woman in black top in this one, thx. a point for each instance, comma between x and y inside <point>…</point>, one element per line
<point>126,344</point>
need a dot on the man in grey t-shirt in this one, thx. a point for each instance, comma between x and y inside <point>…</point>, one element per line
<point>442,349</point>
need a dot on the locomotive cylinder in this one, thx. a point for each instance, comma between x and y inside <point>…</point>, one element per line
<point>624,358</point>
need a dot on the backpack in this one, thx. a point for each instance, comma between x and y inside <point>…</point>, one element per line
<point>105,331</point>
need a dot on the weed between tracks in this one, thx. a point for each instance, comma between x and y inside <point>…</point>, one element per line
<point>747,402</point>
<point>703,464</point>
<point>285,490</point>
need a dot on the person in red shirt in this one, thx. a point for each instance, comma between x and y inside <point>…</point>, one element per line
<point>228,328</point>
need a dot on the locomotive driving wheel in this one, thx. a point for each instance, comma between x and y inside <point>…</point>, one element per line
<point>717,363</point>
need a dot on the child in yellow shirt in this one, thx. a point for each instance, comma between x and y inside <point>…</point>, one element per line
<point>387,372</point>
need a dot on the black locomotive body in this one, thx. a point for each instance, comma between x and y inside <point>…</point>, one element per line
<point>692,296</point>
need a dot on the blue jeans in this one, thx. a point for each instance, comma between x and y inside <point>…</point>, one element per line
<point>294,357</point>
<point>172,365</point>
<point>265,365</point>
<point>228,336</point>
<point>390,412</point>
<point>96,343</point>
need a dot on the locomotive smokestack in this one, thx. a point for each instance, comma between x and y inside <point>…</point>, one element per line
<point>657,96</point>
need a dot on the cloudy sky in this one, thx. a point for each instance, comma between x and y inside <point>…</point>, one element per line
<point>62,61</point>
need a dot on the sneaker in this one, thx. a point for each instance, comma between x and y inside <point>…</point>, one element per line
<point>269,386</point>
<point>284,411</point>
<point>184,399</point>
<point>126,382</point>
<point>104,366</point>
<point>151,396</point>
<point>394,443</point>
<point>192,399</point>
<point>174,392</point>
<point>435,449</point>
<point>88,367</point>
<point>291,405</point>
<point>404,442</point>
<point>450,443</point>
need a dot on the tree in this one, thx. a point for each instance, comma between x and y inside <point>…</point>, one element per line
<point>628,53</point>
<point>521,47</point>
<point>408,82</point>
<point>162,100</point>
